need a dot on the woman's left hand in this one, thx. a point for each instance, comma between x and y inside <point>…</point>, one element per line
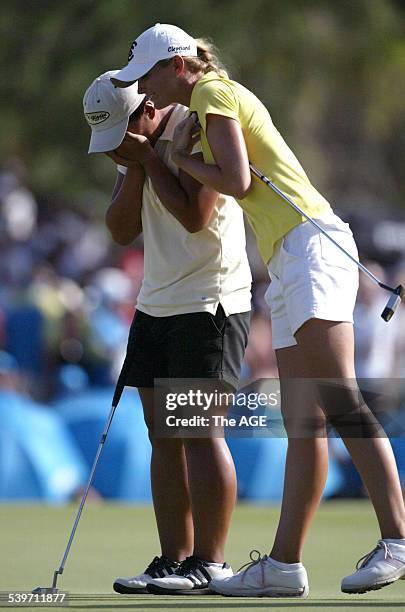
<point>186,134</point>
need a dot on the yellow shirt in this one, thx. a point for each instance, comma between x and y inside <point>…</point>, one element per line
<point>270,217</point>
<point>191,272</point>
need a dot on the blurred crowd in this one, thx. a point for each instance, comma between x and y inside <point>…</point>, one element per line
<point>67,297</point>
<point>67,294</point>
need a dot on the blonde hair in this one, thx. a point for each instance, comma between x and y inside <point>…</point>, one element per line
<point>207,59</point>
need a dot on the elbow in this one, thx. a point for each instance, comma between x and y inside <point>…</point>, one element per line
<point>241,188</point>
<point>122,239</point>
<point>240,194</point>
<point>121,236</point>
<point>194,226</point>
<point>121,233</point>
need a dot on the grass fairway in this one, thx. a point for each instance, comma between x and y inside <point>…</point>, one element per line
<point>118,540</point>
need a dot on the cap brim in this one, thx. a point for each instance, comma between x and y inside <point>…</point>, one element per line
<point>108,140</point>
<point>131,73</point>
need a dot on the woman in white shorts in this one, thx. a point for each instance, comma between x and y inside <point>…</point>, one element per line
<point>311,297</point>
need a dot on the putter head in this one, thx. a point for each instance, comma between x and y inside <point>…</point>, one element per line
<point>45,590</point>
<point>392,304</point>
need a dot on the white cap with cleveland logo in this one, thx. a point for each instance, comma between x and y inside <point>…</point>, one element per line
<point>160,42</point>
<point>107,109</point>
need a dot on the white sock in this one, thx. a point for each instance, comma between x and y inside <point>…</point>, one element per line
<point>212,564</point>
<point>282,565</point>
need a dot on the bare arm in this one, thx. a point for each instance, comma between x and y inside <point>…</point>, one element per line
<point>190,202</point>
<point>185,198</point>
<point>123,216</point>
<point>230,174</point>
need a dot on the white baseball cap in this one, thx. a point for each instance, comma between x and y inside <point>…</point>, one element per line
<point>107,110</point>
<point>160,42</point>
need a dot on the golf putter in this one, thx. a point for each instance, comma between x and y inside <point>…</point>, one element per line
<point>116,398</point>
<point>397,292</point>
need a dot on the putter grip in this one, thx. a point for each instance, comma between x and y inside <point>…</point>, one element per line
<point>122,378</point>
<point>391,307</point>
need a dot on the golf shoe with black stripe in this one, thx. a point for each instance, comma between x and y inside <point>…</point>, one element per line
<point>160,567</point>
<point>193,577</point>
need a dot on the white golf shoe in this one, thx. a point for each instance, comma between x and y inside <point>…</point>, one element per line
<point>264,577</point>
<point>380,567</point>
<point>193,577</point>
<point>159,567</point>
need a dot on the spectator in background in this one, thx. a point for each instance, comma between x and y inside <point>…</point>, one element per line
<point>377,344</point>
<point>9,375</point>
<point>260,358</point>
<point>399,370</point>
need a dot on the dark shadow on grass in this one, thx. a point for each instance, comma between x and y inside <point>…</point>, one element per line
<point>151,602</point>
<point>237,604</point>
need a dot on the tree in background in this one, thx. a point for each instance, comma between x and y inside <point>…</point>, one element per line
<point>331,74</point>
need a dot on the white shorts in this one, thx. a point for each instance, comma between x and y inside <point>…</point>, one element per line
<point>311,278</point>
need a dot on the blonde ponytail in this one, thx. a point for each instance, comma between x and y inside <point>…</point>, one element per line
<point>207,59</point>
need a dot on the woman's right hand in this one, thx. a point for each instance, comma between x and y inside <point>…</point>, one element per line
<point>186,134</point>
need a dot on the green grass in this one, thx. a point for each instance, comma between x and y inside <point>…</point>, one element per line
<point>119,540</point>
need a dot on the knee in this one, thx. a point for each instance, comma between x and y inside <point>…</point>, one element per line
<point>202,444</point>
<point>305,428</point>
<point>208,451</point>
<point>165,445</point>
<point>306,423</point>
<point>157,442</point>
<point>356,422</point>
<point>347,412</point>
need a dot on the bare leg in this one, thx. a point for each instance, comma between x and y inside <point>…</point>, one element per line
<point>375,461</point>
<point>307,458</point>
<point>171,499</point>
<point>212,482</point>
<point>326,350</point>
